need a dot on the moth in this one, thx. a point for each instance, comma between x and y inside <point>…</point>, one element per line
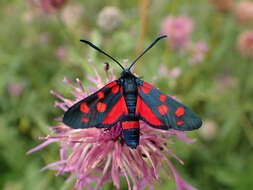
<point>129,100</point>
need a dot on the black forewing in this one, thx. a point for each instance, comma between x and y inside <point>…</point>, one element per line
<point>88,115</point>
<point>177,116</point>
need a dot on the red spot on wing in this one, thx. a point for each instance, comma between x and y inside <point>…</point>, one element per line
<point>162,97</point>
<point>118,110</point>
<point>100,95</point>
<point>101,107</point>
<point>115,89</point>
<point>179,112</point>
<point>130,125</point>
<point>180,122</point>
<point>162,109</point>
<point>148,85</point>
<point>85,120</point>
<point>143,110</point>
<point>145,89</point>
<point>111,84</point>
<point>84,108</point>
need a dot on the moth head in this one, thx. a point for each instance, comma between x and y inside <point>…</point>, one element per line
<point>126,73</point>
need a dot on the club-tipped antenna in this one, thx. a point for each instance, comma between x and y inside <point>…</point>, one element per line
<point>151,45</point>
<point>101,51</point>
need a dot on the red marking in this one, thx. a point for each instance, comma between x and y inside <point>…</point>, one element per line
<point>115,89</point>
<point>180,122</point>
<point>162,97</point>
<point>85,120</point>
<point>84,108</point>
<point>162,109</point>
<point>101,107</point>
<point>148,85</point>
<point>143,110</point>
<point>145,89</point>
<point>100,95</point>
<point>118,110</point>
<point>179,112</point>
<point>111,84</point>
<point>130,125</point>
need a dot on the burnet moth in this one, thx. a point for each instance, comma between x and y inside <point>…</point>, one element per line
<point>129,100</point>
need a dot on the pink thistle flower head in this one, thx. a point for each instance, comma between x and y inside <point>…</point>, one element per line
<point>99,155</point>
<point>245,44</point>
<point>178,30</point>
<point>244,12</point>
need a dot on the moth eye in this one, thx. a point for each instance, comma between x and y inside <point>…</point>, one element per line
<point>101,107</point>
<point>84,108</point>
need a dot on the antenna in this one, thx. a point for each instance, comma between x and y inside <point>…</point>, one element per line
<point>150,46</point>
<point>101,51</point>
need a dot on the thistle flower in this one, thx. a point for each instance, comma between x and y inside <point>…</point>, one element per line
<point>223,5</point>
<point>99,155</point>
<point>109,19</point>
<point>245,44</point>
<point>244,12</point>
<point>178,30</point>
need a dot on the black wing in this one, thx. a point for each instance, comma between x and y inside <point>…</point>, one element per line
<point>104,108</point>
<point>161,111</point>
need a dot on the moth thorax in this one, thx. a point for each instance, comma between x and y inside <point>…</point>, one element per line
<point>129,86</point>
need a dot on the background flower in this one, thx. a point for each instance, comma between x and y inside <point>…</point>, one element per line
<point>199,51</point>
<point>245,44</point>
<point>244,12</point>
<point>178,30</point>
<point>223,5</point>
<point>109,19</point>
<point>15,89</point>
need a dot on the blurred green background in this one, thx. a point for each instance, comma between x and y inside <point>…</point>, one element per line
<point>39,46</point>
